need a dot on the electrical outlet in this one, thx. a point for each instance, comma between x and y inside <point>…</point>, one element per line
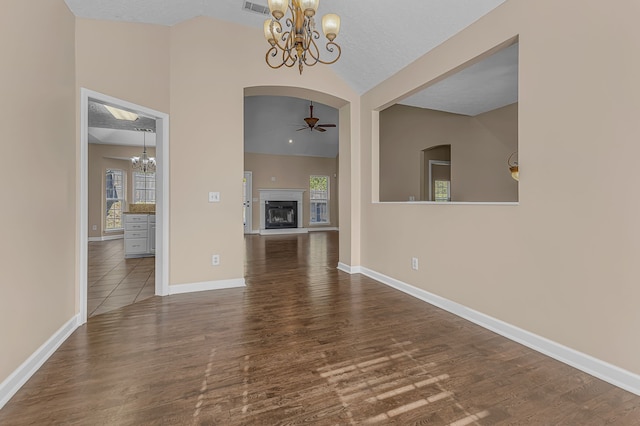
<point>214,197</point>
<point>215,259</point>
<point>414,263</point>
<point>94,227</point>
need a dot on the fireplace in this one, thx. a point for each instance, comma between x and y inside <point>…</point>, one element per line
<point>280,214</point>
<point>286,216</point>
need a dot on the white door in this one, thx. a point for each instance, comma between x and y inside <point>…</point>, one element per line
<point>247,193</point>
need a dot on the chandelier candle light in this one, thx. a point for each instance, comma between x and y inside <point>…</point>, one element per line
<point>298,43</point>
<point>145,163</point>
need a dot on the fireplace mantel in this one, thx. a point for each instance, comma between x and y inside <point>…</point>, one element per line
<point>282,194</point>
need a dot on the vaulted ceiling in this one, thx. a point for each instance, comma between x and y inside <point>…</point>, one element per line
<point>378,38</point>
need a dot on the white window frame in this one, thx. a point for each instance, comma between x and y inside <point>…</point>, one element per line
<point>121,197</point>
<point>447,183</point>
<point>136,177</point>
<point>313,199</point>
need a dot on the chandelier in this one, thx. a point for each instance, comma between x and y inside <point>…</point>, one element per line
<point>144,163</point>
<point>298,43</point>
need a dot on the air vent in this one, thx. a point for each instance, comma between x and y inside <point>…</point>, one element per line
<point>255,8</point>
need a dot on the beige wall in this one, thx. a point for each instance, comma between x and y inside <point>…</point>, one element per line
<point>37,106</point>
<point>124,60</point>
<point>206,116</point>
<point>207,102</point>
<point>103,157</point>
<point>292,172</point>
<point>563,263</point>
<point>480,147</point>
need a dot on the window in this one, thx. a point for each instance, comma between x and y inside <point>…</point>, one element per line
<point>114,197</point>
<point>144,188</point>
<point>442,190</point>
<point>319,199</point>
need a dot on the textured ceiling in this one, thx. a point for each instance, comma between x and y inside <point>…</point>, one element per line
<point>484,86</point>
<point>271,121</point>
<point>105,129</point>
<point>378,37</point>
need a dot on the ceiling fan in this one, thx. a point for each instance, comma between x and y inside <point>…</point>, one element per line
<point>312,122</point>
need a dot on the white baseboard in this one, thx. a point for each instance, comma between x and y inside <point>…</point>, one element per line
<point>349,269</point>
<point>107,238</point>
<point>19,377</point>
<point>603,370</point>
<point>206,286</point>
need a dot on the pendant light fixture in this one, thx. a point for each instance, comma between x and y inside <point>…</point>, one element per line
<point>144,163</point>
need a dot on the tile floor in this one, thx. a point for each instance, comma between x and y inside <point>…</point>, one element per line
<point>114,281</point>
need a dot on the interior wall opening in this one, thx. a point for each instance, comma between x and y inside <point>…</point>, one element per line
<point>436,174</point>
<point>473,112</point>
<point>124,179</point>
<point>291,143</point>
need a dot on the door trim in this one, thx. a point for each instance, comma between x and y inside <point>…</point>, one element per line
<point>162,195</point>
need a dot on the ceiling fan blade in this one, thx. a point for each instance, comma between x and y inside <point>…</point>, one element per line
<point>302,128</point>
<point>326,125</point>
<point>320,129</point>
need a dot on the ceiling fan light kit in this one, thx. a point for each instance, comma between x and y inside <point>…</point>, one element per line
<point>312,122</point>
<point>297,45</point>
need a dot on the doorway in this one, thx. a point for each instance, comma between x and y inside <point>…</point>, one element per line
<point>439,180</point>
<point>161,261</point>
<point>435,173</point>
<point>247,202</point>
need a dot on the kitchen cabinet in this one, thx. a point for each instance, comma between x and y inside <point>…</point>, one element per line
<point>139,234</point>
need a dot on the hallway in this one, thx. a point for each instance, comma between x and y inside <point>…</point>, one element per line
<point>304,343</point>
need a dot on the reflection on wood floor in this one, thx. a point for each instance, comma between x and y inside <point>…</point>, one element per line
<point>304,343</point>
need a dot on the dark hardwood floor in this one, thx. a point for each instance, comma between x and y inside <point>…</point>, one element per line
<point>304,343</point>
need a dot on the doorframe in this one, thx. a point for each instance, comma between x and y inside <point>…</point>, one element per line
<point>431,164</point>
<point>162,195</point>
<point>249,216</point>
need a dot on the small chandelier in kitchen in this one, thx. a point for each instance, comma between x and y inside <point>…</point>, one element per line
<point>298,43</point>
<point>144,164</point>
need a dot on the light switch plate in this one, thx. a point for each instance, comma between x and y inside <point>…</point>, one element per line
<point>214,197</point>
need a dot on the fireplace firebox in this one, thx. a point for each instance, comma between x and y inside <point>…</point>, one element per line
<point>280,214</point>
